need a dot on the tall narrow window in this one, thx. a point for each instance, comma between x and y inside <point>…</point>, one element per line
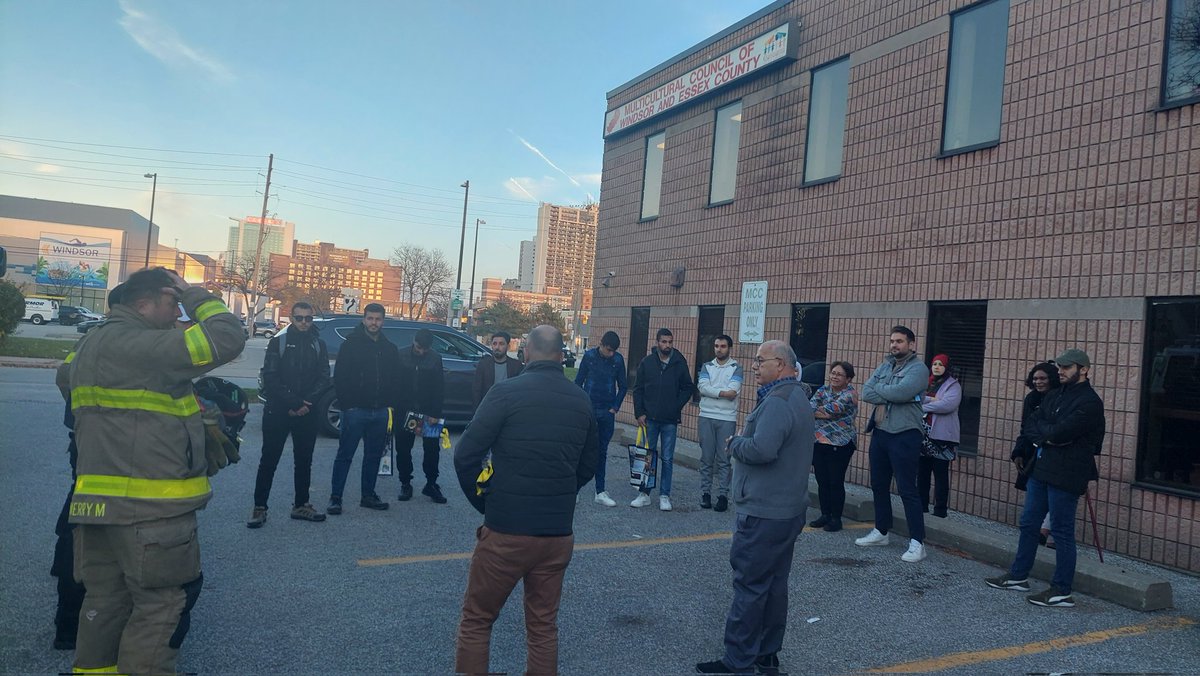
<point>826,121</point>
<point>810,340</point>
<point>639,340</point>
<point>959,331</point>
<point>975,84</point>
<point>656,147</point>
<point>1181,53</point>
<point>1170,411</point>
<point>711,324</point>
<point>726,138</point>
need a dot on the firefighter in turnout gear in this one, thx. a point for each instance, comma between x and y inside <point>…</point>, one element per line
<point>143,469</point>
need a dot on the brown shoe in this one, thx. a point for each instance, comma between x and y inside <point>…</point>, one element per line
<point>257,518</point>
<point>307,512</point>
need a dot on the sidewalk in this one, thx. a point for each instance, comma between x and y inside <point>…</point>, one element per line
<point>29,363</point>
<point>1118,579</point>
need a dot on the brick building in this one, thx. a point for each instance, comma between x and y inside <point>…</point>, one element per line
<point>565,248</point>
<point>1008,178</point>
<point>327,270</point>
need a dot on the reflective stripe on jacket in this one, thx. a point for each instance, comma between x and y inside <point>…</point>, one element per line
<point>137,422</point>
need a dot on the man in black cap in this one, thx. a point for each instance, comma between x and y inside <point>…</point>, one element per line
<point>1066,431</point>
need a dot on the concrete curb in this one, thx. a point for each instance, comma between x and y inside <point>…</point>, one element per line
<point>1109,581</point>
<point>29,363</point>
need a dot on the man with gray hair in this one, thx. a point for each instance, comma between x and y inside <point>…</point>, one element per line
<point>542,436</point>
<point>773,457</point>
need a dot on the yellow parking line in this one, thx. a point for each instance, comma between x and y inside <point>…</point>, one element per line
<point>619,544</point>
<point>955,660</point>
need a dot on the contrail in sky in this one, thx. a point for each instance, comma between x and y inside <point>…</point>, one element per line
<point>522,188</point>
<point>545,159</point>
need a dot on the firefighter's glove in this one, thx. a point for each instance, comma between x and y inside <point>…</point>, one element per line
<point>218,449</point>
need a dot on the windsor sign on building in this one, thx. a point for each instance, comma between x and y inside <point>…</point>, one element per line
<point>769,49</point>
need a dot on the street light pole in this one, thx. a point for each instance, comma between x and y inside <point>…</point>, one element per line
<point>150,228</point>
<point>462,244</point>
<point>474,256</point>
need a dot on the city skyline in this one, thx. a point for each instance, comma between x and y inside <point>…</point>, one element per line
<point>368,157</point>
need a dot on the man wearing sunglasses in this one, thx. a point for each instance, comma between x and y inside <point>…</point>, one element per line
<point>295,370</point>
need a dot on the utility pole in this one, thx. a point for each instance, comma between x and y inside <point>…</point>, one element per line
<point>150,227</point>
<point>451,313</point>
<point>253,284</point>
<point>474,258</point>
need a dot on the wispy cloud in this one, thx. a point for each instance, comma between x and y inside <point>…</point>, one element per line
<point>516,186</point>
<point>533,149</point>
<point>48,169</point>
<point>163,43</point>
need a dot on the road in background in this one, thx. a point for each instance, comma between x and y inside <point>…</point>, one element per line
<point>646,592</point>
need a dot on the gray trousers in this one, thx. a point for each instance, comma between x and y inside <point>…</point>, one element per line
<point>761,557</point>
<point>713,434</point>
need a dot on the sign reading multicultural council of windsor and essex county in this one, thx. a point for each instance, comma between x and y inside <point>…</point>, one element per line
<point>770,48</point>
<point>68,260</point>
<point>754,312</point>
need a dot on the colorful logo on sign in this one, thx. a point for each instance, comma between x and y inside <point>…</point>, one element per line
<point>778,40</point>
<point>69,261</point>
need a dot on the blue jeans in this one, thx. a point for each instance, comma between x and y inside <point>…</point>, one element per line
<point>665,457</point>
<point>1041,498</point>
<point>605,422</point>
<point>896,455</point>
<point>370,426</point>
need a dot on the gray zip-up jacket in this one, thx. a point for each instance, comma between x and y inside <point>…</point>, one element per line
<point>897,386</point>
<point>774,455</point>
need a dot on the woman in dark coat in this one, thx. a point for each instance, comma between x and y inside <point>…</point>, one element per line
<point>1041,380</point>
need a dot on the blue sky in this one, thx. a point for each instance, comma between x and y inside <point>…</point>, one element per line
<point>376,111</point>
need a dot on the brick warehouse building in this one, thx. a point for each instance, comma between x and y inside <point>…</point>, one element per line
<point>1008,178</point>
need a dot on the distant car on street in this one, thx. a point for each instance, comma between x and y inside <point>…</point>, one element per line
<point>265,328</point>
<point>69,315</point>
<point>88,325</point>
<point>459,356</point>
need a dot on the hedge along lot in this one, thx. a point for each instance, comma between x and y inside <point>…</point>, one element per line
<point>44,348</point>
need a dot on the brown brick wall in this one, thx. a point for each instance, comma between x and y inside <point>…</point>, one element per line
<point>1092,193</point>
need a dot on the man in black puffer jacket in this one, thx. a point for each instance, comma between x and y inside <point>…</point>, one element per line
<point>542,435</point>
<point>295,371</point>
<point>421,389</point>
<point>1066,432</point>
<point>368,367</point>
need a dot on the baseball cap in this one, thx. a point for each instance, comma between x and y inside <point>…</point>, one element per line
<point>1073,357</point>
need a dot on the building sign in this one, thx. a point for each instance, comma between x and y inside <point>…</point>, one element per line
<point>69,261</point>
<point>754,312</point>
<point>256,220</point>
<point>770,48</point>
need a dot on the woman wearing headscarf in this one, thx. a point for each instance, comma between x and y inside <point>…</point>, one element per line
<point>940,447</point>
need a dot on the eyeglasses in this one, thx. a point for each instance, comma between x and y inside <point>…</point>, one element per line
<point>302,318</point>
<point>759,361</point>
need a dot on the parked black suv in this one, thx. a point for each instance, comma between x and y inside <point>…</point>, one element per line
<point>459,356</point>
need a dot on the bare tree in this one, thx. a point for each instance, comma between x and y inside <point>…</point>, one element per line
<point>425,275</point>
<point>236,278</point>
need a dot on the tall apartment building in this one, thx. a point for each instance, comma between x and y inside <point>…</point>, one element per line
<point>527,266</point>
<point>243,239</point>
<point>329,271</point>
<point>566,248</point>
<point>1007,178</point>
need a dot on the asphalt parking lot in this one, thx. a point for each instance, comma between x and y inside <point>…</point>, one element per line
<point>646,591</point>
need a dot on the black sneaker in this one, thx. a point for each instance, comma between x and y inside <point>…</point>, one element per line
<point>705,501</point>
<point>820,522</point>
<point>719,667</point>
<point>833,526</point>
<point>1003,582</point>
<point>405,493</point>
<point>372,502</point>
<point>722,504</point>
<point>335,506</point>
<point>1051,598</point>
<point>768,665</point>
<point>434,492</point>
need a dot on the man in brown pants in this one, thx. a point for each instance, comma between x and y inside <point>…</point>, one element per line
<point>542,436</point>
<point>142,469</point>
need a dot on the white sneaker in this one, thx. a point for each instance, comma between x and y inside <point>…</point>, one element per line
<point>915,553</point>
<point>603,499</point>
<point>664,503</point>
<point>872,539</point>
<point>640,501</point>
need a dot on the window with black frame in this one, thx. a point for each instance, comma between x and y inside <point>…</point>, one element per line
<point>639,338</point>
<point>809,338</point>
<point>959,331</point>
<point>1181,53</point>
<point>656,150</point>
<point>709,325</point>
<point>975,77</point>
<point>1168,453</point>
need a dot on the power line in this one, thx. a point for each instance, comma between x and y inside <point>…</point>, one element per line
<point>331,198</point>
<point>34,158</point>
<point>103,145</point>
<point>389,180</point>
<point>453,206</point>
<point>38,177</point>
<point>150,160</point>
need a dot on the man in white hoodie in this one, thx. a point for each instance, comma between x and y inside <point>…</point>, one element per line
<point>719,383</point>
